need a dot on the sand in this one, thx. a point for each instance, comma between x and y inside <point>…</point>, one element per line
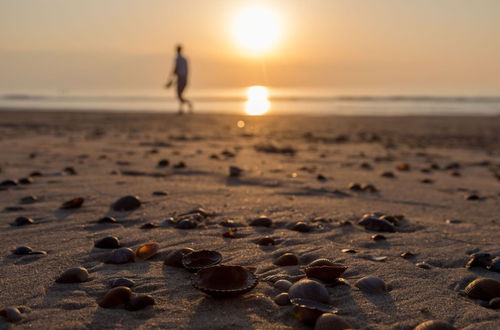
<point>117,154</point>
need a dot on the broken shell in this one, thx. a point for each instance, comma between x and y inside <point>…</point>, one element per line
<point>122,281</point>
<point>325,273</point>
<point>483,288</point>
<point>479,260</point>
<point>73,203</point>
<point>283,284</point>
<point>109,242</point>
<point>11,314</point>
<point>73,275</point>
<point>126,203</point>
<point>371,284</point>
<point>329,321</point>
<point>22,221</point>
<point>302,227</point>
<point>225,281</point>
<point>174,258</point>
<point>261,221</point>
<point>434,325</point>
<point>197,260</point>
<point>107,219</point>
<point>139,302</point>
<point>309,289</point>
<point>147,250</point>
<point>322,262</point>
<point>287,259</point>
<point>266,240</point>
<point>376,224</point>
<point>282,299</point>
<point>116,296</point>
<point>121,256</point>
<point>308,311</point>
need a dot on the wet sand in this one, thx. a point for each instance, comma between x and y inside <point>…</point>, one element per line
<point>282,157</point>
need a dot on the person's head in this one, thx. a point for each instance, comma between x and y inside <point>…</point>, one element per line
<point>179,48</point>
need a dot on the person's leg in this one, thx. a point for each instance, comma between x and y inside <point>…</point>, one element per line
<point>181,85</point>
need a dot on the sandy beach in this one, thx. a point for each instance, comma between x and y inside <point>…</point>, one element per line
<point>440,175</point>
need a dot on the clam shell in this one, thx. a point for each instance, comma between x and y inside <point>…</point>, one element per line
<point>225,281</point>
<point>121,281</point>
<point>434,325</point>
<point>283,285</point>
<point>22,221</point>
<point>174,258</point>
<point>126,203</point>
<point>287,259</point>
<point>11,314</point>
<point>139,302</point>
<point>483,288</point>
<point>325,273</point>
<point>116,296</point>
<point>147,250</point>
<point>197,260</point>
<point>371,284</point>
<point>282,299</point>
<point>307,311</point>
<point>266,240</point>
<point>261,221</point>
<point>329,321</point>
<point>302,227</point>
<point>121,256</point>
<point>107,219</point>
<point>74,203</point>
<point>376,224</point>
<point>73,275</point>
<point>309,289</point>
<point>109,242</point>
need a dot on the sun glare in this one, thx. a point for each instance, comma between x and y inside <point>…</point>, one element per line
<point>258,102</point>
<point>256,29</point>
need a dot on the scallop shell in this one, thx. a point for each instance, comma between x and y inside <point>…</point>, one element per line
<point>483,288</point>
<point>329,321</point>
<point>287,259</point>
<point>325,273</point>
<point>73,275</point>
<point>108,242</point>
<point>116,296</point>
<point>121,256</point>
<point>147,250</point>
<point>139,302</point>
<point>174,258</point>
<point>434,325</point>
<point>126,203</point>
<point>309,289</point>
<point>197,260</point>
<point>225,281</point>
<point>307,311</point>
<point>371,284</point>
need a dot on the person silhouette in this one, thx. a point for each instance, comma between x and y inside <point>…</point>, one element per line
<point>180,72</point>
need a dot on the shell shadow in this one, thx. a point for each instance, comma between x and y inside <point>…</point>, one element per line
<point>383,302</point>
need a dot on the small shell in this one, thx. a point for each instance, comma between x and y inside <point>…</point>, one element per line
<point>302,227</point>
<point>235,171</point>
<point>174,258</point>
<point>74,203</point>
<point>116,296</point>
<point>483,288</point>
<point>73,275</point>
<point>139,302</point>
<point>423,265</point>
<point>329,321</point>
<point>376,224</point>
<point>121,281</point>
<point>378,237</point>
<point>495,265</point>
<point>225,281</point>
<point>28,199</point>
<point>325,274</point>
<point>149,225</point>
<point>107,219</point>
<point>261,221</point>
<point>322,262</point>
<point>287,259</point>
<point>147,250</point>
<point>309,289</point>
<point>371,284</point>
<point>121,256</point>
<point>308,311</point>
<point>197,260</point>
<point>22,221</point>
<point>434,325</point>
<point>109,242</point>
<point>494,303</point>
<point>186,224</point>
<point>126,203</point>
<point>282,299</point>
<point>283,285</point>
<point>11,314</point>
<point>23,250</point>
<point>266,241</point>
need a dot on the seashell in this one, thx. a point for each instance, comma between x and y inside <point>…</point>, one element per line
<point>163,163</point>
<point>174,258</point>
<point>230,223</point>
<point>27,180</point>
<point>266,240</point>
<point>387,175</point>
<point>354,186</point>
<point>126,203</point>
<point>109,242</point>
<point>479,260</point>
<point>36,173</point>
<point>483,288</point>
<point>392,219</point>
<point>107,219</point>
<point>121,281</point>
<point>423,265</point>
<point>376,224</point>
<point>11,314</point>
<point>225,281</point>
<point>186,224</point>
<point>283,284</point>
<point>287,259</point>
<point>371,284</point>
<point>309,289</point>
<point>159,193</point>
<point>9,183</point>
<point>434,325</point>
<point>261,221</point>
<point>329,321</point>
<point>322,262</point>
<point>149,225</point>
<point>139,302</point>
<point>73,275</point>
<point>22,221</point>
<point>495,265</point>
<point>302,227</point>
<point>234,171</point>
<point>197,260</point>
<point>74,203</point>
<point>180,164</point>
<point>472,197</point>
<point>116,296</point>
<point>403,167</point>
<point>308,311</point>
<point>121,256</point>
<point>147,250</point>
<point>369,188</point>
<point>169,222</point>
<point>28,199</point>
<point>282,299</point>
<point>378,237</point>
<point>407,255</point>
<point>23,250</point>
<point>199,211</point>
<point>69,170</point>
<point>348,251</point>
<point>325,273</point>
<point>494,303</point>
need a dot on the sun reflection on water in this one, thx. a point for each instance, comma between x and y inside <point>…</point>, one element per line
<point>257,101</point>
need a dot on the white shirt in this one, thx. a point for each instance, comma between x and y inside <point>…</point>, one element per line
<point>181,66</point>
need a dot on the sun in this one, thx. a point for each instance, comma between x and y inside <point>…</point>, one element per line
<point>257,29</point>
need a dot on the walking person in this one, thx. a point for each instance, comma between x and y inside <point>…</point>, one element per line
<point>180,75</point>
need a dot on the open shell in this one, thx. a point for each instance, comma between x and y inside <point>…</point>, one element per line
<point>197,260</point>
<point>225,281</point>
<point>146,251</point>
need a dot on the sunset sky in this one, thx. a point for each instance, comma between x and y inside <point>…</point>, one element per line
<point>449,46</point>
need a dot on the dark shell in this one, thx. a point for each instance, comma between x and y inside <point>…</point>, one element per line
<point>22,250</point>
<point>407,255</point>
<point>28,199</point>
<point>174,258</point>
<point>309,289</point>
<point>495,265</point>
<point>479,260</point>
<point>121,281</point>
<point>22,221</point>
<point>354,186</point>
<point>126,203</point>
<point>186,224</point>
<point>287,259</point>
<point>434,325</point>
<point>116,296</point>
<point>230,223</point>
<point>36,173</point>
<point>27,180</point>
<point>147,250</point>
<point>198,260</point>
<point>378,237</point>
<point>329,321</point>
<point>11,314</point>
<point>163,163</point>
<point>325,274</point>
<point>302,227</point>
<point>371,284</point>
<point>160,193</point>
<point>180,164</point>
<point>69,170</point>
<point>9,182</point>
<point>109,242</point>
<point>472,197</point>
<point>261,221</point>
<point>73,275</point>
<point>283,285</point>
<point>121,256</point>
<point>266,240</point>
<point>403,167</point>
<point>369,188</point>
<point>225,281</point>
<point>494,303</point>
<point>307,311</point>
<point>74,203</point>
<point>483,288</point>
<point>388,175</point>
<point>139,302</point>
<point>322,262</point>
<point>282,299</point>
<point>149,225</point>
<point>376,224</point>
<point>392,219</point>
<point>235,171</point>
<point>107,219</point>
